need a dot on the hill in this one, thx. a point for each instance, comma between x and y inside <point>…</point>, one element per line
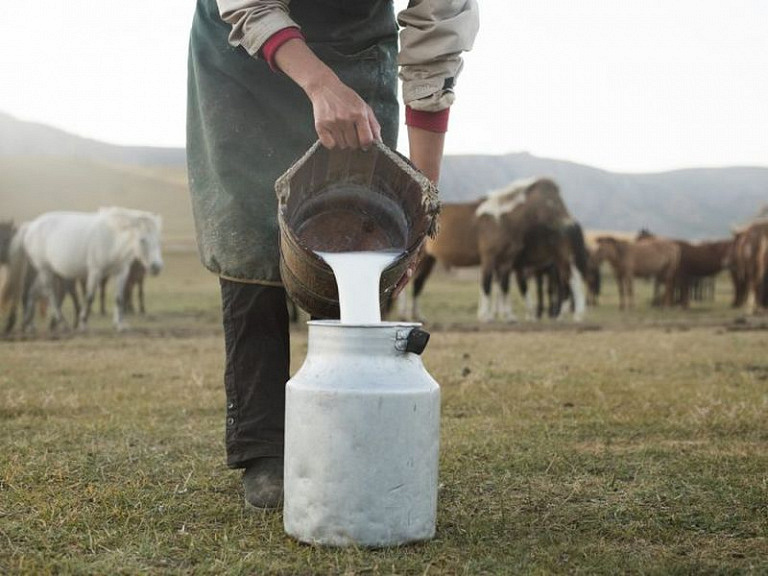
<point>43,168</point>
<point>694,203</point>
<point>19,138</point>
<point>32,185</point>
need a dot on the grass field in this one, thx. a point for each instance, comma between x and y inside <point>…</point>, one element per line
<point>631,444</point>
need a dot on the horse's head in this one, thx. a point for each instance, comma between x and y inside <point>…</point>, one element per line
<point>143,229</point>
<point>608,248</point>
<point>7,230</point>
<point>544,203</point>
<point>148,249</point>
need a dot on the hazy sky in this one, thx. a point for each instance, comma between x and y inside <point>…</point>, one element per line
<point>622,85</point>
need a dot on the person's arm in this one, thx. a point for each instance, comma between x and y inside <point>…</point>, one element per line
<point>426,151</point>
<point>434,34</point>
<point>265,30</point>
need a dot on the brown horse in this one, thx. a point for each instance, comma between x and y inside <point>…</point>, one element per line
<point>454,246</point>
<point>700,260</point>
<point>506,221</point>
<point>649,257</point>
<point>750,264</point>
<point>543,249</point>
<point>494,231</point>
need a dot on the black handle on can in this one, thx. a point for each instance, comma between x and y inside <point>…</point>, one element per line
<point>416,341</point>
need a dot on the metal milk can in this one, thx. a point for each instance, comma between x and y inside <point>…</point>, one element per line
<point>362,437</point>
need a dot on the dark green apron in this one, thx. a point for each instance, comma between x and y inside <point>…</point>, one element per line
<point>247,124</point>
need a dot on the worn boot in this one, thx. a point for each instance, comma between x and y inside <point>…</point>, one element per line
<point>263,483</point>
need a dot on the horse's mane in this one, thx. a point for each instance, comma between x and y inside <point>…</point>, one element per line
<point>128,218</point>
<point>504,200</point>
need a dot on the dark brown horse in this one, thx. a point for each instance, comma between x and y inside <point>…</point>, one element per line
<point>492,232</point>
<point>700,260</point>
<point>750,261</point>
<point>539,260</point>
<point>506,222</point>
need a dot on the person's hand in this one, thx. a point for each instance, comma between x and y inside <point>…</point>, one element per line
<point>342,118</point>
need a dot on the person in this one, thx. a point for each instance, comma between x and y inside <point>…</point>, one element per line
<point>266,79</point>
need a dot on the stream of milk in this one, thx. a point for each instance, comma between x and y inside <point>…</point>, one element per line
<point>358,275</point>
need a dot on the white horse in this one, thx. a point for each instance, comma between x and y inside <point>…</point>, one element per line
<point>85,245</point>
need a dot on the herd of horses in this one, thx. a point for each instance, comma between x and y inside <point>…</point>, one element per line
<point>526,229</point>
<point>523,229</point>
<point>59,253</point>
<point>676,265</point>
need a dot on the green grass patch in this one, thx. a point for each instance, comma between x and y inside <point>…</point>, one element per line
<point>637,446</point>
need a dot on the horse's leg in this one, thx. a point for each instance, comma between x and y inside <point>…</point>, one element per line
<point>631,291</point>
<point>669,287</point>
<point>72,289</point>
<point>620,286</point>
<point>505,299</point>
<point>540,294</point>
<point>102,295</point>
<point>576,285</point>
<point>739,287</point>
<point>522,286</point>
<point>561,277</point>
<point>91,286</point>
<point>484,311</point>
<point>120,280</point>
<point>140,286</point>
<point>29,296</point>
<point>555,292</point>
<point>46,286</point>
<point>684,282</point>
<point>61,288</point>
<point>128,296</point>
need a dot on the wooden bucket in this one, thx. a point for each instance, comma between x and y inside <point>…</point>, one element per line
<point>349,201</point>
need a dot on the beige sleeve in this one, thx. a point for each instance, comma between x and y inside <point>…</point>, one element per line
<point>433,36</point>
<point>254,21</point>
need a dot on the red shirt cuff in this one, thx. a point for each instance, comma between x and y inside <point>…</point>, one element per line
<point>432,121</point>
<point>269,48</point>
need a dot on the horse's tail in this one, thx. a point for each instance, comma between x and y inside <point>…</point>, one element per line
<point>579,247</point>
<point>14,285</point>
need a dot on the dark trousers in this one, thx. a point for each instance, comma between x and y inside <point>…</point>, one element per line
<point>257,346</point>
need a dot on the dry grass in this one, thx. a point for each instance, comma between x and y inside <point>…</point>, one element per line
<point>637,445</point>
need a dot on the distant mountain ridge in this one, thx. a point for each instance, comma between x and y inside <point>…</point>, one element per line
<point>694,203</point>
<point>19,138</point>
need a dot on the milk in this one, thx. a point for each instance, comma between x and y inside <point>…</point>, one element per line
<point>358,275</point>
